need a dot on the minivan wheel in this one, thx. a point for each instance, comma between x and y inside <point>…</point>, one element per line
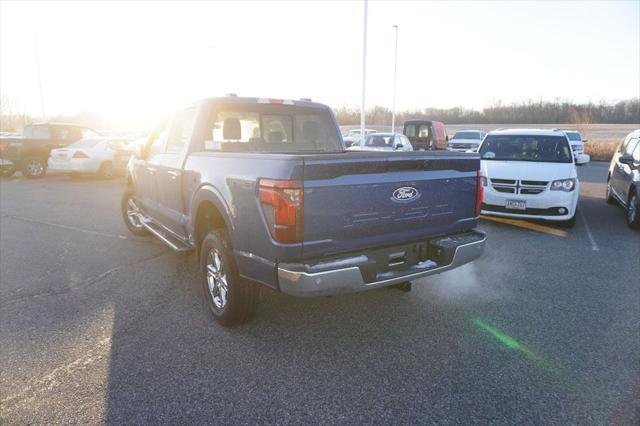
<point>231,299</point>
<point>633,211</point>
<point>34,167</point>
<point>129,209</point>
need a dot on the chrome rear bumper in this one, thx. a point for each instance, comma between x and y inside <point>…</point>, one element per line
<point>349,279</point>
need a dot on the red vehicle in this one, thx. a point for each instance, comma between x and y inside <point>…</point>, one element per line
<point>426,135</point>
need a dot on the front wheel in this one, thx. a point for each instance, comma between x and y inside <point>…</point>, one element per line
<point>130,210</point>
<point>633,211</point>
<point>231,299</point>
<point>34,167</point>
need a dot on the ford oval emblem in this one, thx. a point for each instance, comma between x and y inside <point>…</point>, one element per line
<point>406,193</point>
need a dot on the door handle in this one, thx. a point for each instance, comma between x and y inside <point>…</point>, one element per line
<point>152,169</point>
<point>173,173</point>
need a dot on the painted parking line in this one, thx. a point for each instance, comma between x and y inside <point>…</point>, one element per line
<point>528,225</point>
<point>592,241</point>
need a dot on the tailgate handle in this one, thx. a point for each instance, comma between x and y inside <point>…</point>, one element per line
<point>396,259</point>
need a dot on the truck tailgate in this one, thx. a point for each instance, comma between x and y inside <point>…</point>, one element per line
<point>364,199</point>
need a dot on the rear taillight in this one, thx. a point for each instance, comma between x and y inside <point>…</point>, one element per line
<point>283,205</point>
<point>479,195</point>
<point>79,154</point>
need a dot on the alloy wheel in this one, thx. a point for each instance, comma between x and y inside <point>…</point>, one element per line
<point>217,279</point>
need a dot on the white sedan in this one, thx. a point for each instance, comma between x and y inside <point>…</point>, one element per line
<point>105,157</point>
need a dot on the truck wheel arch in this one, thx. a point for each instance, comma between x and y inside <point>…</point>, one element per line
<point>209,213</point>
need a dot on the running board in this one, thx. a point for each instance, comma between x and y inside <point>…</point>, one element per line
<point>174,243</point>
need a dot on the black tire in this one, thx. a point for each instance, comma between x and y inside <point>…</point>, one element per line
<point>34,167</point>
<point>609,195</point>
<point>106,170</point>
<point>633,210</point>
<point>569,223</point>
<point>7,172</point>
<point>231,299</point>
<point>132,224</point>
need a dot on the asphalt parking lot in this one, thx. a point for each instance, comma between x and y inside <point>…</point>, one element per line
<point>97,325</point>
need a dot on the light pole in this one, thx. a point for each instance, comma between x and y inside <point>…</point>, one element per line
<point>395,79</point>
<point>364,71</point>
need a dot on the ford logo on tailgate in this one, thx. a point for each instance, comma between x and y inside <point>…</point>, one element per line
<point>406,193</point>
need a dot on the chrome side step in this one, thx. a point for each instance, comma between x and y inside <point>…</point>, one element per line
<point>174,243</point>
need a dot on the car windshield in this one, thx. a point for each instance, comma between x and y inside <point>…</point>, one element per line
<point>467,135</point>
<point>550,149</point>
<point>574,136</point>
<point>379,141</point>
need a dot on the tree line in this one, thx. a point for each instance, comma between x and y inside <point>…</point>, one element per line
<point>529,112</point>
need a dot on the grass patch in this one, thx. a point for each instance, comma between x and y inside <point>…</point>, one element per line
<point>601,149</point>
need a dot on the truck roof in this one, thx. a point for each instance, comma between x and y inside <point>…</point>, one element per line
<point>249,100</point>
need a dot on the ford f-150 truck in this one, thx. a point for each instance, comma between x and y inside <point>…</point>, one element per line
<point>266,194</point>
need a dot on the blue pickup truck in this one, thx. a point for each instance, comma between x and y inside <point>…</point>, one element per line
<point>266,194</point>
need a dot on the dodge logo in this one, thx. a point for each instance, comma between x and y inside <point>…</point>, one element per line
<point>405,193</point>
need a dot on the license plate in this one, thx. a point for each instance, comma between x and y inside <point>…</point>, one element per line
<point>516,204</point>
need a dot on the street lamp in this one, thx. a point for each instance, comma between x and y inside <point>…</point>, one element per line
<point>395,74</point>
<point>364,70</point>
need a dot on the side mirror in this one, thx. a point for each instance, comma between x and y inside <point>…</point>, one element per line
<point>626,159</point>
<point>582,159</point>
<point>585,140</point>
<point>398,147</point>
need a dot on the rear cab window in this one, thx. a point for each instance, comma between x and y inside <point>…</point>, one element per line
<point>254,127</point>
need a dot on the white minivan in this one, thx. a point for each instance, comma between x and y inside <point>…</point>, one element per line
<point>530,174</point>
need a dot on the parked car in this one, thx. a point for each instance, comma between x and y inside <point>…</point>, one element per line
<point>300,215</point>
<point>426,135</point>
<point>105,157</point>
<point>382,142</point>
<point>466,140</point>
<point>576,141</point>
<point>530,174</point>
<point>623,178</point>
<point>29,153</point>
<point>354,136</point>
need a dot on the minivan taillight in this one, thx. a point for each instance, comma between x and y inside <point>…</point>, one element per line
<point>283,205</point>
<point>479,195</point>
<point>80,154</point>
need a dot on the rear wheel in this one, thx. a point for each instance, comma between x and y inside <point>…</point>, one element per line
<point>34,167</point>
<point>130,210</point>
<point>231,299</point>
<point>633,211</point>
<point>106,170</point>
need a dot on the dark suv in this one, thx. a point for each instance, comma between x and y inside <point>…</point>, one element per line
<point>623,180</point>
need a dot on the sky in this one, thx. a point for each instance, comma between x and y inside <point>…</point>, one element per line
<point>134,61</point>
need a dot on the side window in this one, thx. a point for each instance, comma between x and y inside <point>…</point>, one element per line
<point>181,130</point>
<point>630,146</point>
<point>157,138</point>
<point>410,130</point>
<point>636,154</point>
